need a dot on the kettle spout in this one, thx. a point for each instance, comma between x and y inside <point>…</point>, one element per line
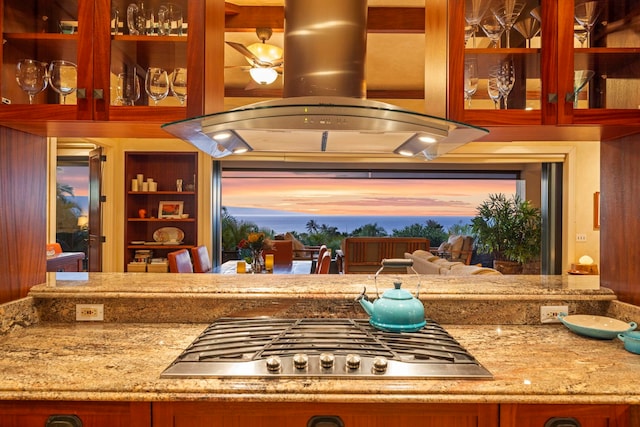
<point>365,303</point>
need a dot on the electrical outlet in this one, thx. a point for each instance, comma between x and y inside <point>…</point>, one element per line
<point>549,313</point>
<point>581,237</point>
<point>89,312</point>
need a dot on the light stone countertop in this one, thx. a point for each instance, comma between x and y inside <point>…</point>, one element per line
<point>45,354</point>
<point>530,364</point>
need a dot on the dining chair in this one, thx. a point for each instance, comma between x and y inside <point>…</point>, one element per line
<point>321,252</point>
<point>180,262</point>
<point>201,261</point>
<point>282,251</point>
<point>324,263</point>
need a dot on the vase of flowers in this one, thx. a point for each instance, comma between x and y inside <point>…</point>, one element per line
<point>251,250</point>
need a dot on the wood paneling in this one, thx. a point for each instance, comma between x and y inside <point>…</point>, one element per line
<point>23,196</point>
<point>619,217</point>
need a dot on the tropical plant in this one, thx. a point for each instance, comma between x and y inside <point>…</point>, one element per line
<point>508,228</point>
<point>433,231</point>
<point>370,230</point>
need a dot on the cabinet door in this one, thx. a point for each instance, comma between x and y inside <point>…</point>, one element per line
<point>183,414</point>
<point>94,414</point>
<point>599,65</point>
<point>136,36</point>
<point>587,415</point>
<point>499,73</point>
<point>43,32</point>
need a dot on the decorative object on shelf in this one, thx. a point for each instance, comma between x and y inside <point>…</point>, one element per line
<point>115,21</point>
<point>506,79</point>
<point>142,213</point>
<point>134,185</point>
<point>168,234</point>
<point>63,76</point>
<point>68,27</point>
<point>179,84</point>
<point>507,13</point>
<point>128,88</point>
<point>586,14</point>
<point>156,84</point>
<point>170,209</point>
<point>170,20</point>
<point>470,79</point>
<point>179,185</point>
<point>140,19</point>
<point>528,28</point>
<point>31,76</point>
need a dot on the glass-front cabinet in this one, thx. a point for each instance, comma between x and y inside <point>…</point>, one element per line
<point>100,59</point>
<point>545,61</point>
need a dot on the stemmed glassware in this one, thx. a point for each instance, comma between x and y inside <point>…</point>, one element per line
<point>506,78</point>
<point>586,15</point>
<point>493,89</point>
<point>179,84</point>
<point>473,13</point>
<point>128,89</point>
<point>507,13</point>
<point>580,80</point>
<point>63,76</point>
<point>31,76</point>
<point>156,84</point>
<point>470,79</point>
<point>492,28</point>
<point>528,27</point>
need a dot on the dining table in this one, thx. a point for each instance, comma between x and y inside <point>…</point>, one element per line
<point>296,267</point>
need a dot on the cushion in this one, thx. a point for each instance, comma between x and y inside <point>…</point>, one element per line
<point>444,247</point>
<point>456,246</point>
<point>420,253</point>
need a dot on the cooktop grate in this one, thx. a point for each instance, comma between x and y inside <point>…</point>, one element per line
<point>246,346</point>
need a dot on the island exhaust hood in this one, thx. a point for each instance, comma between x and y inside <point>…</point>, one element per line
<point>323,109</point>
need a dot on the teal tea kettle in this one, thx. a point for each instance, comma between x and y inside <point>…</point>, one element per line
<point>396,310</point>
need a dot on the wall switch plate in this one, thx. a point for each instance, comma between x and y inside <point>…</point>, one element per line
<point>581,237</point>
<point>549,313</point>
<point>89,312</point>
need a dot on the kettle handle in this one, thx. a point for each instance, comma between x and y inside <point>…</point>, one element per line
<point>395,263</point>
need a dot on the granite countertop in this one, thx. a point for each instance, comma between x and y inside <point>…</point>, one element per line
<point>151,318</point>
<point>530,364</point>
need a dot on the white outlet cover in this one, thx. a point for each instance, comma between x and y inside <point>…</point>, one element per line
<point>89,312</point>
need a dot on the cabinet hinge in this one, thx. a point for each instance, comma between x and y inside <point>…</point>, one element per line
<point>103,239</point>
<point>103,158</point>
<point>103,199</point>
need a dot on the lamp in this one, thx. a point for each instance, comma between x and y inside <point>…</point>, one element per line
<point>263,76</point>
<point>228,142</point>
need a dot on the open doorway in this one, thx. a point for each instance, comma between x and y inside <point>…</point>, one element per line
<point>72,204</point>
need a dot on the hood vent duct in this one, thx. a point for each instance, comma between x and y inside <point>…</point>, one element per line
<point>323,109</point>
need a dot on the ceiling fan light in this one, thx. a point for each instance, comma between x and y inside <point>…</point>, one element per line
<point>265,51</point>
<point>263,76</point>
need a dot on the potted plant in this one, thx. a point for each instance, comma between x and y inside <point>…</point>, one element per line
<point>510,230</point>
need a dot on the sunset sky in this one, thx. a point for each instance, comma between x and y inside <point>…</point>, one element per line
<point>392,197</point>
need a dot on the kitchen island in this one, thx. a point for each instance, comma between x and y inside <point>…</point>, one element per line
<point>120,359</point>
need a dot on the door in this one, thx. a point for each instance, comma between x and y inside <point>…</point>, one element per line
<point>95,211</point>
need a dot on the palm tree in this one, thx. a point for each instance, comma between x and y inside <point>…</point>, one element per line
<point>312,226</point>
<point>370,230</point>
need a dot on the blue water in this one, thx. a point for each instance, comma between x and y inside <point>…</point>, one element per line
<point>345,224</point>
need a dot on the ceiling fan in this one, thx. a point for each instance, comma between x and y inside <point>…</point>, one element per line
<point>266,60</point>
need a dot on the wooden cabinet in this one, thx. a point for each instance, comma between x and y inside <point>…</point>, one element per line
<point>93,414</point>
<point>587,415</point>
<point>562,75</point>
<point>147,227</point>
<point>275,414</point>
<point>33,29</point>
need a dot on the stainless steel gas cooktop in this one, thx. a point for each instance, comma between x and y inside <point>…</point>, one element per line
<point>268,347</point>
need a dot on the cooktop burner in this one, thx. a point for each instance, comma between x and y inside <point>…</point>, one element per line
<point>268,347</point>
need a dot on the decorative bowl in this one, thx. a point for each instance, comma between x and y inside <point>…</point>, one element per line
<point>600,327</point>
<point>631,341</point>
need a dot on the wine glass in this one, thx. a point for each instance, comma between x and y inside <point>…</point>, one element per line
<point>470,79</point>
<point>507,13</point>
<point>179,84</point>
<point>529,28</point>
<point>474,10</point>
<point>492,28</point>
<point>506,79</point>
<point>493,89</point>
<point>156,84</point>
<point>170,19</point>
<point>586,15</point>
<point>31,76</point>
<point>128,89</point>
<point>63,77</point>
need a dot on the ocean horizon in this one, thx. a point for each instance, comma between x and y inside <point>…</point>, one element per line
<point>281,223</point>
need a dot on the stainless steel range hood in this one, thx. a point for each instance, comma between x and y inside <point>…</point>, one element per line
<point>323,109</point>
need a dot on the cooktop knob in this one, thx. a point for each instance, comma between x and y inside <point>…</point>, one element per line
<point>300,361</point>
<point>379,365</point>
<point>326,360</point>
<point>274,364</point>
<point>353,361</point>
